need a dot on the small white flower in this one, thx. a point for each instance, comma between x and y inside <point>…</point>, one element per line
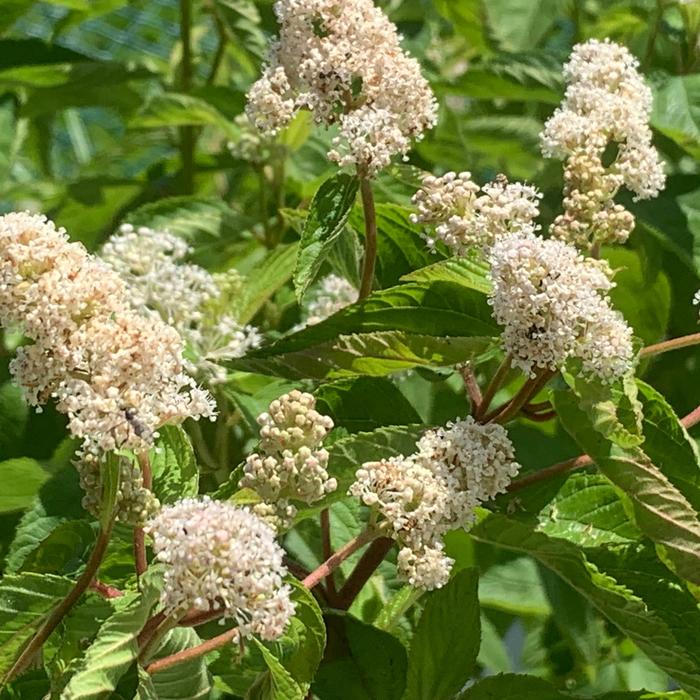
<point>554,305</point>
<point>220,557</point>
<point>342,60</point>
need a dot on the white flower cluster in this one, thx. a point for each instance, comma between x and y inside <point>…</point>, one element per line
<point>465,219</point>
<point>292,464</point>
<point>554,305</point>
<point>342,60</point>
<point>332,294</point>
<point>435,490</point>
<point>696,299</point>
<point>607,102</point>
<point>251,145</point>
<point>220,557</point>
<point>117,374</point>
<point>186,296</point>
<point>134,505</point>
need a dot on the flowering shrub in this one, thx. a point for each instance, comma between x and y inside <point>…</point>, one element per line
<point>350,350</point>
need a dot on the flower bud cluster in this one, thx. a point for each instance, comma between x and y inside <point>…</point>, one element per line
<point>437,489</point>
<point>292,464</point>
<point>331,295</point>
<point>196,303</point>
<point>222,558</point>
<point>135,504</point>
<point>554,305</point>
<point>607,103</point>
<point>342,60</point>
<point>116,373</point>
<point>465,219</point>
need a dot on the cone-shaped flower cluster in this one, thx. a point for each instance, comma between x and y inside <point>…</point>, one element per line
<point>116,373</point>
<point>342,60</point>
<point>224,558</point>
<point>607,103</point>
<point>466,216</point>
<point>435,490</point>
<point>554,305</point>
<point>291,464</point>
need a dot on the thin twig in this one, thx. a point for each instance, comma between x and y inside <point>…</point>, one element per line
<point>105,590</point>
<point>531,388</point>
<point>140,558</point>
<point>192,653</point>
<point>370,237</point>
<point>472,387</point>
<point>367,565</point>
<point>555,470</point>
<point>686,341</point>
<point>335,560</point>
<point>63,608</point>
<point>494,385</point>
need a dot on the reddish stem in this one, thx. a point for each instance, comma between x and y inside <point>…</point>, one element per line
<point>105,590</point>
<point>493,387</point>
<point>472,387</point>
<point>675,344</point>
<point>140,557</point>
<point>193,653</point>
<point>335,560</point>
<point>371,559</point>
<point>555,470</point>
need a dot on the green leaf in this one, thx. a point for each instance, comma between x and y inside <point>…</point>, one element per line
<point>414,324</point>
<point>518,25</point>
<point>676,111</point>
<point>173,109</point>
<point>185,681</point>
<point>400,246</point>
<point>515,687</point>
<point>271,275</point>
<point>641,294</point>
<point>650,632</point>
<point>63,551</point>
<point>22,479</point>
<point>446,642</point>
<point>471,273</point>
<point>587,511</point>
<point>523,77</point>
<point>58,501</point>
<point>14,417</point>
<point>326,220</point>
<point>346,401</point>
<point>25,602</point>
<point>209,225</point>
<point>514,587</point>
<point>175,472</point>
<point>669,445</point>
<point>660,511</point>
<point>113,651</point>
<point>365,662</point>
<point>613,410</point>
<point>278,684</point>
<point>467,17</point>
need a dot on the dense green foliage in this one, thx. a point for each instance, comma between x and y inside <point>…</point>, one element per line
<point>583,584</point>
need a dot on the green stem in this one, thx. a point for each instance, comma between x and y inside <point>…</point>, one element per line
<point>188,136</point>
<point>370,237</point>
<point>686,341</point>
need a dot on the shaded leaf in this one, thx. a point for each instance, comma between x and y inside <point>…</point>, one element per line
<point>446,642</point>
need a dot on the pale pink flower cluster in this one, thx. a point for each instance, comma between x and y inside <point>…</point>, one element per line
<point>420,498</point>
<point>331,295</point>
<point>466,216</point>
<point>607,102</point>
<point>117,374</point>
<point>219,557</point>
<point>292,463</point>
<point>554,305</point>
<point>343,61</point>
